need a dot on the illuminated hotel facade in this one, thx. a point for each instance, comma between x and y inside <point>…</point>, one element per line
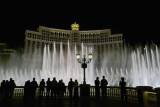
<point>102,40</point>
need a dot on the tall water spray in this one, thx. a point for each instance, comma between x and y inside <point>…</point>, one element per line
<point>140,66</point>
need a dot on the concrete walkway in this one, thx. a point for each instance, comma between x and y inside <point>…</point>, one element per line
<point>66,102</point>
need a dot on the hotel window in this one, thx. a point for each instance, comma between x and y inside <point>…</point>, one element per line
<point>38,45</point>
<point>63,46</point>
<point>42,44</point>
<point>106,46</point>
<point>110,45</point>
<point>110,39</point>
<point>28,41</point>
<point>114,39</point>
<point>33,43</point>
<point>120,38</point>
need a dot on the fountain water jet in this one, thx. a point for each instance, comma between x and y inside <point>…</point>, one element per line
<point>139,67</point>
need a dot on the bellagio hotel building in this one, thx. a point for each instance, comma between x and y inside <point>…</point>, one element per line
<point>102,41</point>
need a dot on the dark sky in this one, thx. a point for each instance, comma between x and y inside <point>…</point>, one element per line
<point>139,23</point>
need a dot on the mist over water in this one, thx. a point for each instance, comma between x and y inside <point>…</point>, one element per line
<point>140,66</point>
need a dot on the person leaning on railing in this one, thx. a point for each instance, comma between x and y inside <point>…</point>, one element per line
<point>63,88</point>
<point>34,86</point>
<point>12,85</point>
<point>42,85</point>
<point>27,88</point>
<point>59,89</point>
<point>97,87</point>
<point>2,87</point>
<point>54,88</point>
<point>122,84</point>
<point>76,89</point>
<point>48,87</point>
<point>70,87</point>
<point>104,84</point>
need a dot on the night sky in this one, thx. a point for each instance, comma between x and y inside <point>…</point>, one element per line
<point>138,23</point>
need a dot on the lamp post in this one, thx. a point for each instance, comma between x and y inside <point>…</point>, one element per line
<point>84,62</point>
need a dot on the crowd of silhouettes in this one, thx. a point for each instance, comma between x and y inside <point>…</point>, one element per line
<point>7,88</point>
<point>57,89</point>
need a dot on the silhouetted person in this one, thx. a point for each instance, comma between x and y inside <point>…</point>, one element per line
<point>9,85</point>
<point>59,89</point>
<point>12,85</point>
<point>6,90</point>
<point>48,87</point>
<point>27,89</point>
<point>70,87</point>
<point>54,88</point>
<point>76,89</point>
<point>104,84</point>
<point>34,86</point>
<point>122,84</point>
<point>42,85</point>
<point>97,87</point>
<point>63,88</point>
<point>2,87</point>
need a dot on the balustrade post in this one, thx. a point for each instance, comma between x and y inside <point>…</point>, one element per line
<point>157,90</point>
<point>85,90</point>
<point>142,97</point>
<point>37,94</point>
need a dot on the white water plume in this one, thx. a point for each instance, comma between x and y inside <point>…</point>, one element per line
<point>140,66</point>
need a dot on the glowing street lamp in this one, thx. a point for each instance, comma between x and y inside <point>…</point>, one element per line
<point>90,56</point>
<point>78,56</point>
<point>84,62</point>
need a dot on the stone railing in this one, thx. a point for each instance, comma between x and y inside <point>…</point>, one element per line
<point>142,94</point>
<point>18,92</point>
<point>152,99</point>
<point>112,92</point>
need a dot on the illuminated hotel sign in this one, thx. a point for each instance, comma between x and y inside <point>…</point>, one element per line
<point>75,26</point>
